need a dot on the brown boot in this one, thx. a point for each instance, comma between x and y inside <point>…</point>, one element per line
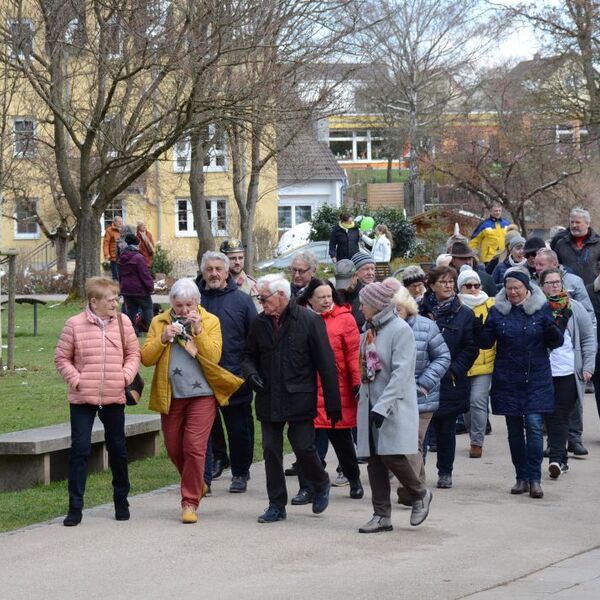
<point>475,451</point>
<point>535,489</point>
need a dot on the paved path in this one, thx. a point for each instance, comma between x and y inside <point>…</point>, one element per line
<point>479,542</point>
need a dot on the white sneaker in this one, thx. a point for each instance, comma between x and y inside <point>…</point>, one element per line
<point>340,481</point>
<point>554,470</point>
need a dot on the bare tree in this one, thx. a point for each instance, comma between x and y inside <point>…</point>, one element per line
<point>421,52</point>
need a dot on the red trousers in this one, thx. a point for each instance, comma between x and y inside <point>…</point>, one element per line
<point>186,429</point>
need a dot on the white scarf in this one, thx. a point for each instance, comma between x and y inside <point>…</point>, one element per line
<point>473,301</point>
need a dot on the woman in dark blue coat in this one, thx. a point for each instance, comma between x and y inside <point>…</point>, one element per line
<point>523,328</point>
<point>456,323</point>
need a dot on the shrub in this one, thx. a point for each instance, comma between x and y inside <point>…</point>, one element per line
<point>160,261</point>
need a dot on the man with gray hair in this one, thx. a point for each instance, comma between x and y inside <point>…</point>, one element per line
<point>303,268</point>
<point>578,248</point>
<point>286,347</point>
<point>221,296</point>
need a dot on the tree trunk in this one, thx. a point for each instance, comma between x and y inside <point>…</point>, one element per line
<point>206,240</point>
<point>87,252</point>
<point>60,245</point>
<point>388,177</point>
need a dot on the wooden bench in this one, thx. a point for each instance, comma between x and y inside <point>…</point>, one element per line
<point>41,455</point>
<point>35,302</point>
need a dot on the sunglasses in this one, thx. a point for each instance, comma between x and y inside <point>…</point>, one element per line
<point>263,299</point>
<point>471,286</point>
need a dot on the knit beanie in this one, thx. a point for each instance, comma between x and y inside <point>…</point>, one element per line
<point>466,275</point>
<point>413,274</point>
<point>376,295</point>
<point>515,241</point>
<point>131,240</point>
<point>533,244</point>
<point>360,259</point>
<point>520,275</point>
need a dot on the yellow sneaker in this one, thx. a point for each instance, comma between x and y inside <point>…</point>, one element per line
<point>188,514</point>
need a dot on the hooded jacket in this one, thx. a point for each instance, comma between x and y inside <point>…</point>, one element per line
<point>343,242</point>
<point>135,278</point>
<point>523,334</point>
<point>488,238</point>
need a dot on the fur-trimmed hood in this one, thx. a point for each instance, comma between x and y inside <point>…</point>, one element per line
<point>535,302</point>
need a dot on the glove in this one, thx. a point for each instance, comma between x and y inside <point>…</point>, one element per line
<point>356,391</point>
<point>255,383</point>
<point>335,416</point>
<point>377,419</point>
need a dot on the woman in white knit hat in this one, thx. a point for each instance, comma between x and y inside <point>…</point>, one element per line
<point>388,414</point>
<point>480,374</point>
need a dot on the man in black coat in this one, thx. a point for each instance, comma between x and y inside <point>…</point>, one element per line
<point>286,347</point>
<point>221,296</point>
<point>578,248</point>
<point>594,292</point>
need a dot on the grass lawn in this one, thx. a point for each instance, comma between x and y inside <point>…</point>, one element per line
<point>37,396</point>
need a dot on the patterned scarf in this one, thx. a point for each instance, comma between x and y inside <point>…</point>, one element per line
<point>438,309</point>
<point>369,360</point>
<point>561,308</point>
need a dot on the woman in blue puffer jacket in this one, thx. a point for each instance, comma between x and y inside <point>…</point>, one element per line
<point>433,360</point>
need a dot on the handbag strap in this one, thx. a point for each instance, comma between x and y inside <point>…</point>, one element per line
<point>122,332</point>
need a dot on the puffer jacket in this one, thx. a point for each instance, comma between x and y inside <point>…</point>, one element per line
<point>522,378</point>
<point>484,363</point>
<point>109,245</point>
<point>209,345</point>
<point>433,360</point>
<point>344,338</point>
<point>488,238</point>
<point>89,356</point>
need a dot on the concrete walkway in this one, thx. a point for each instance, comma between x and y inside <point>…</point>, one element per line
<point>479,542</point>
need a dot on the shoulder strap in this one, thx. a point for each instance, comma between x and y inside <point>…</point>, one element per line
<point>121,331</point>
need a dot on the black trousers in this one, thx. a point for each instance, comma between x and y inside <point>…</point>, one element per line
<point>343,444</point>
<point>239,423</point>
<point>217,440</point>
<point>301,435</point>
<point>557,423</point>
<point>596,381</point>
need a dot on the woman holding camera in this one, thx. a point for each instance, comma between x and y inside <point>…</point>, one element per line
<point>185,345</point>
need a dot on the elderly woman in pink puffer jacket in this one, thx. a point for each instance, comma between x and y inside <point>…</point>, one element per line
<point>91,357</point>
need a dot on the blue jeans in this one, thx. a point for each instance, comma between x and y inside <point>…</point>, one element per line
<point>114,269</point>
<point>82,420</point>
<point>526,445</point>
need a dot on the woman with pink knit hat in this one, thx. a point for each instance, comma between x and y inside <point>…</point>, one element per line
<point>388,414</point>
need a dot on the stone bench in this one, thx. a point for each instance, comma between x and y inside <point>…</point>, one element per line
<point>41,455</point>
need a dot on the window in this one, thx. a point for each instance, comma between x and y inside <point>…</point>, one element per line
<point>113,209</point>
<point>26,225</point>
<point>21,38</point>
<point>356,145</point>
<point>23,137</point>
<point>215,159</point>
<point>290,216</point>
<point>217,211</point>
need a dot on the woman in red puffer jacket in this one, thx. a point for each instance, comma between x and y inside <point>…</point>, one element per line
<point>344,337</point>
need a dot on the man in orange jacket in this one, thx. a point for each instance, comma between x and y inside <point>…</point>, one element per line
<point>111,236</point>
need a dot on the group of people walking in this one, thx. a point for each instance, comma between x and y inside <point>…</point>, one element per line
<point>381,369</point>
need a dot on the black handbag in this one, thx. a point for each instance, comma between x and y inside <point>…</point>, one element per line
<point>133,392</point>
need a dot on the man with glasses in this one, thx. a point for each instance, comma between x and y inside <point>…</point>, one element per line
<point>302,270</point>
<point>286,347</point>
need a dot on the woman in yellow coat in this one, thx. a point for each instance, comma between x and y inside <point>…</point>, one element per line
<point>471,295</point>
<point>185,346</point>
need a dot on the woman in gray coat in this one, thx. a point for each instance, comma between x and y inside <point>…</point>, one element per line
<point>388,414</point>
<point>433,360</point>
<point>572,364</point>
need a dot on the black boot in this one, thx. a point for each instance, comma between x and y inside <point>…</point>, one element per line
<point>122,511</point>
<point>73,517</point>
<point>356,490</point>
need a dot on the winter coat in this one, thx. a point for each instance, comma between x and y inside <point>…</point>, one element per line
<point>593,291</point>
<point>109,246</point>
<point>498,273</point>
<point>343,243</point>
<point>381,248</point>
<point>135,278</point>
<point>522,378</point>
<point>574,286</point>
<point>209,345</point>
<point>89,356</point>
<point>456,326</point>
<point>488,238</point>
<point>145,250</point>
<point>484,363</point>
<point>236,312</point>
<point>584,261</point>
<point>288,362</point>
<point>393,392</point>
<point>344,338</point>
<point>583,337</point>
<point>433,360</point>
